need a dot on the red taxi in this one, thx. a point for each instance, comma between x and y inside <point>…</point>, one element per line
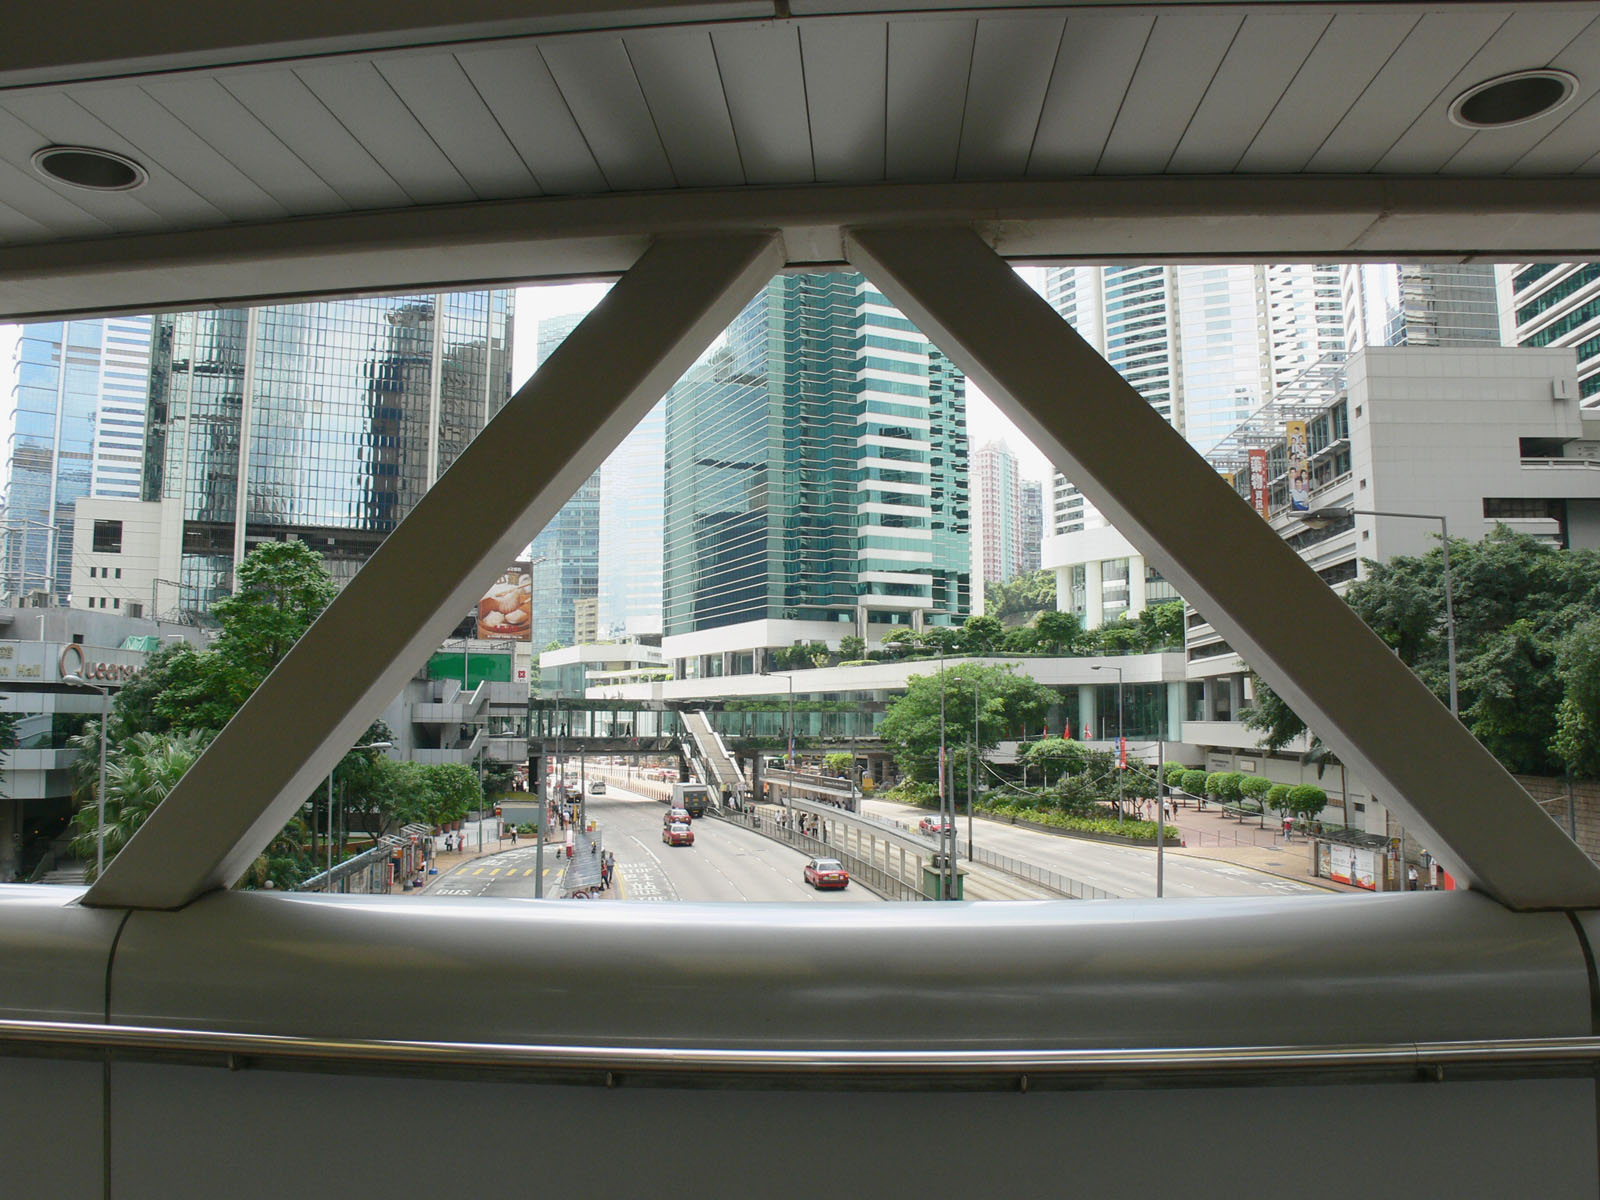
<point>677,834</point>
<point>827,873</point>
<point>933,825</point>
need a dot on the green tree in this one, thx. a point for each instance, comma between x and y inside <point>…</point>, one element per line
<point>1006,703</point>
<point>1305,800</point>
<point>1161,626</point>
<point>941,639</point>
<point>1055,757</point>
<point>852,648</point>
<point>1194,782</point>
<point>1022,596</point>
<point>139,775</point>
<point>1515,692</point>
<point>1255,787</point>
<point>838,764</point>
<point>1277,723</point>
<point>1577,737</point>
<point>1174,773</point>
<point>982,634</point>
<point>1057,632</point>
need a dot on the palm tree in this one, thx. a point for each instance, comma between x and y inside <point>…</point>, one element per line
<point>139,775</point>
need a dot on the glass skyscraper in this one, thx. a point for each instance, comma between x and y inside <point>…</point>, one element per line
<point>816,470</point>
<point>324,421</point>
<point>569,546</point>
<point>78,413</point>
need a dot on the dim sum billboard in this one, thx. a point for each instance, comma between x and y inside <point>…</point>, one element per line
<point>506,611</point>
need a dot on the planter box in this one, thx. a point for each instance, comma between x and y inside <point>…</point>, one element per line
<point>1080,834</point>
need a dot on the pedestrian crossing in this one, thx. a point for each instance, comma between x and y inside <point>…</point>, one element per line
<point>503,872</point>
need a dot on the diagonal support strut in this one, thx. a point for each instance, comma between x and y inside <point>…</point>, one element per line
<point>1210,545</point>
<point>513,478</point>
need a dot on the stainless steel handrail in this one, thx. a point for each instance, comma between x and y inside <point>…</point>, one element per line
<point>839,1065</point>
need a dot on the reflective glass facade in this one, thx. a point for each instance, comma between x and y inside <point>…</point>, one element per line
<point>79,414</point>
<point>337,415</point>
<point>816,468</point>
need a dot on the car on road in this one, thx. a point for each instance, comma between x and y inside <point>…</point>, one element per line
<point>933,825</point>
<point>677,834</point>
<point>597,788</point>
<point>677,816</point>
<point>827,873</point>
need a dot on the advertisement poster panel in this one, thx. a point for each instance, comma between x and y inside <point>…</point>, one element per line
<point>1352,865</point>
<point>1258,483</point>
<point>506,611</point>
<point>1299,438</point>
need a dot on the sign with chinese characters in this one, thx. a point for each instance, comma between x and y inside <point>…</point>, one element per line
<point>1258,483</point>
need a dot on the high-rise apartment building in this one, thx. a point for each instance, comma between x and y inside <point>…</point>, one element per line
<point>816,480</point>
<point>566,553</point>
<point>1556,304</point>
<point>323,422</point>
<point>1206,345</point>
<point>996,516</point>
<point>78,417</point>
<point>1032,524</point>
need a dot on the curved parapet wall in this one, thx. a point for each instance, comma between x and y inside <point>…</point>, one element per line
<point>851,1030</point>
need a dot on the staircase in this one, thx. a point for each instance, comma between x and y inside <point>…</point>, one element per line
<point>713,755</point>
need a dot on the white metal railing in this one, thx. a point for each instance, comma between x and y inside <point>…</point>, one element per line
<point>1418,1060</point>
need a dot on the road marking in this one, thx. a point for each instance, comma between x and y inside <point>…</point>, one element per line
<point>479,871</point>
<point>527,872</point>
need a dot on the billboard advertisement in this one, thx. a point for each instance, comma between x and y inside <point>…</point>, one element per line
<point>506,611</point>
<point>1258,483</point>
<point>1299,439</point>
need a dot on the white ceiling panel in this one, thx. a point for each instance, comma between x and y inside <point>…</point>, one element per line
<point>16,227</point>
<point>60,121</point>
<point>1431,55</point>
<point>928,66</point>
<point>1012,60</point>
<point>1492,151</point>
<point>677,71</point>
<point>292,113</point>
<point>846,65</point>
<point>1095,62</point>
<point>766,90</point>
<point>67,207</point>
<point>1180,59</point>
<point>599,87</point>
<point>514,81</point>
<point>158,135</point>
<point>356,93</point>
<point>1569,147</point>
<point>1525,40</point>
<point>448,107</point>
<point>28,196</point>
<point>208,108</point>
<point>1260,65</point>
<point>1346,58</point>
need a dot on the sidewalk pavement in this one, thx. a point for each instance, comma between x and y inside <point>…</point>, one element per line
<point>1213,835</point>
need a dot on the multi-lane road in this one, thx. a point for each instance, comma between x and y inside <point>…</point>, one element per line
<point>727,862</point>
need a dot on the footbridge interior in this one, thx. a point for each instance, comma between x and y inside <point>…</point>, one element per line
<point>165,1033</point>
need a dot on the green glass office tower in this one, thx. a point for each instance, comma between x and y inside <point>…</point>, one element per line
<point>816,470</point>
<point>325,421</point>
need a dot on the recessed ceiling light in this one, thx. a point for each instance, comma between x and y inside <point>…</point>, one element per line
<point>86,167</point>
<point>1513,99</point>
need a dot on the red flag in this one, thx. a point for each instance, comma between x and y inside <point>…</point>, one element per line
<point>1066,733</point>
<point>1124,742</point>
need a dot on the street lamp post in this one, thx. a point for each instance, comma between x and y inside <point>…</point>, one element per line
<point>100,795</point>
<point>1121,741</point>
<point>1318,517</point>
<point>334,768</point>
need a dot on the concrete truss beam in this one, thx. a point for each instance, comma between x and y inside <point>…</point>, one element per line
<point>1210,545</point>
<point>513,478</point>
<point>1232,218</point>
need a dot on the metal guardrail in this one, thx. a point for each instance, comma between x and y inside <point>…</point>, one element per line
<point>869,875</point>
<point>1063,885</point>
<point>1413,1061</point>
